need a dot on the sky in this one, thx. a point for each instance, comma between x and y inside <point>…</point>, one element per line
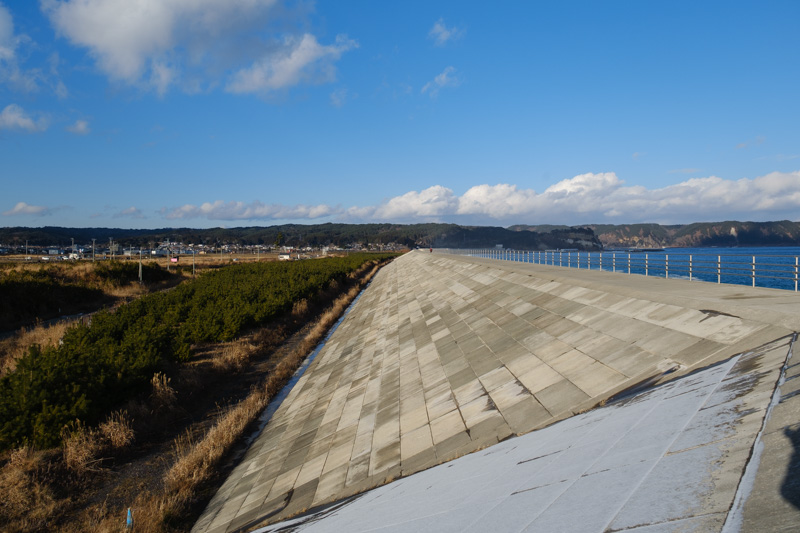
<point>226,113</point>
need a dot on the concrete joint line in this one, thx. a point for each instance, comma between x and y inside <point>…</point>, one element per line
<point>733,522</point>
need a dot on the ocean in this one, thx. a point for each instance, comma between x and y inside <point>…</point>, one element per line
<point>771,267</point>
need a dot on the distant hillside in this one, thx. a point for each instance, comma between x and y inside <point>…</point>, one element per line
<point>729,233</point>
<point>488,237</point>
<point>411,235</point>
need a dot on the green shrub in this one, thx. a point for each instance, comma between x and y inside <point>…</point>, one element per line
<point>100,366</point>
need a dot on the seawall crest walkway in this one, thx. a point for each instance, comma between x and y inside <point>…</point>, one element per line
<point>445,355</point>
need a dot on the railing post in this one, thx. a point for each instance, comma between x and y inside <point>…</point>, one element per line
<point>666,266</point>
<point>646,265</point>
<point>796,264</point>
<point>601,262</point>
<point>559,257</point>
<point>719,265</point>
<point>629,263</point>
<point>589,261</point>
<point>754,271</point>
<point>614,262</point>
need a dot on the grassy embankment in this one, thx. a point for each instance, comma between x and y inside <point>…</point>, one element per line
<point>36,298</point>
<point>40,301</point>
<point>47,487</point>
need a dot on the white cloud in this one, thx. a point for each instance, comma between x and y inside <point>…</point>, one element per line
<point>298,60</point>
<point>131,212</point>
<point>195,44</point>
<point>446,79</point>
<point>81,127</point>
<point>14,48</point>
<point>431,202</point>
<point>602,197</point>
<point>441,33</point>
<point>14,117</point>
<point>7,44</point>
<point>220,210</point>
<point>583,199</point>
<point>31,210</point>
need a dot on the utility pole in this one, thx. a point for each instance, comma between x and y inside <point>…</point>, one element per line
<point>26,251</point>
<point>192,262</point>
<point>93,249</point>
<point>140,264</point>
<point>111,247</point>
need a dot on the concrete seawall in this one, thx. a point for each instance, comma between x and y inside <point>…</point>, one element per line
<point>445,355</point>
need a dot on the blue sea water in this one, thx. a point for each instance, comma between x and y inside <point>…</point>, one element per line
<point>771,267</point>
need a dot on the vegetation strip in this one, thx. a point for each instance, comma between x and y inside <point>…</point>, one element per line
<point>98,367</point>
<point>191,480</point>
<point>73,488</point>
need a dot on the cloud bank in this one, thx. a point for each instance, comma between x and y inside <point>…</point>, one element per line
<point>220,210</point>
<point>196,45</point>
<point>583,199</point>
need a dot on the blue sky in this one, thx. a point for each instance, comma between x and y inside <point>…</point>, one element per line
<point>205,113</point>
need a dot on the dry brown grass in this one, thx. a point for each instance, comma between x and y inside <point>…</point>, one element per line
<point>300,308</point>
<point>81,446</point>
<point>163,395</point>
<point>235,357</point>
<point>17,345</point>
<point>27,503</point>
<point>116,431</point>
<point>28,477</point>
<point>127,292</point>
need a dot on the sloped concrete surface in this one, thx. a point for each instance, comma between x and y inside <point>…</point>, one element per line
<point>667,459</point>
<point>773,501</point>
<point>446,355</point>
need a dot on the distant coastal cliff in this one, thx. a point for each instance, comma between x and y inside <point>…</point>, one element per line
<point>728,233</point>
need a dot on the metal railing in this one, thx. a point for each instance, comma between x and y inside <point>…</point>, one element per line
<point>773,271</point>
